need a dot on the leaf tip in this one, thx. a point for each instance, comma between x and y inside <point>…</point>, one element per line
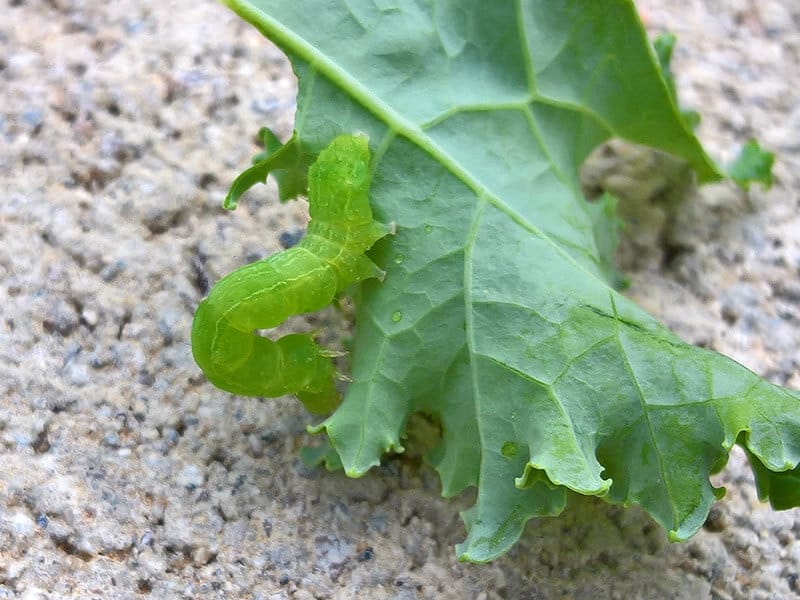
<point>675,536</point>
<point>719,492</point>
<point>318,428</point>
<point>463,556</point>
<point>752,165</point>
<point>230,202</point>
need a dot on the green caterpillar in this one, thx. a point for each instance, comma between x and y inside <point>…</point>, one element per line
<point>299,280</point>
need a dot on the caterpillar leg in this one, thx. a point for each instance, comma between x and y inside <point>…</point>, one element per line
<point>308,363</point>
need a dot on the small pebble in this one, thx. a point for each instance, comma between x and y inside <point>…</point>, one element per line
<point>227,507</point>
<point>77,374</point>
<point>152,563</point>
<point>33,118</point>
<point>61,318</point>
<point>21,524</point>
<point>110,271</point>
<point>288,239</point>
<point>171,435</point>
<point>366,554</point>
<point>34,594</point>
<point>147,539</point>
<point>89,317</point>
<point>202,556</point>
<point>265,106</point>
<point>191,476</point>
<point>111,440</point>
<point>717,519</point>
<point>256,446</point>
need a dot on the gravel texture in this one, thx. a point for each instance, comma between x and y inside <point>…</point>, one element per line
<point>125,475</point>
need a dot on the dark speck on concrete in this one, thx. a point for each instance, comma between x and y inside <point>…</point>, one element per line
<point>291,238</point>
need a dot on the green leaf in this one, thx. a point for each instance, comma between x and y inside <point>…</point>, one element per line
<point>781,488</point>
<point>752,164</point>
<point>287,162</point>
<point>606,224</point>
<point>498,314</point>
<point>322,455</point>
<point>664,44</point>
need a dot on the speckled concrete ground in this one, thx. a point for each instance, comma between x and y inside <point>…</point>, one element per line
<point>125,475</point>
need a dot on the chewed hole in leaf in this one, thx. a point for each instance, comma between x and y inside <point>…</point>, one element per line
<point>509,449</point>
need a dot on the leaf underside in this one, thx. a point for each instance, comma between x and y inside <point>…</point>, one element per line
<point>497,313</point>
